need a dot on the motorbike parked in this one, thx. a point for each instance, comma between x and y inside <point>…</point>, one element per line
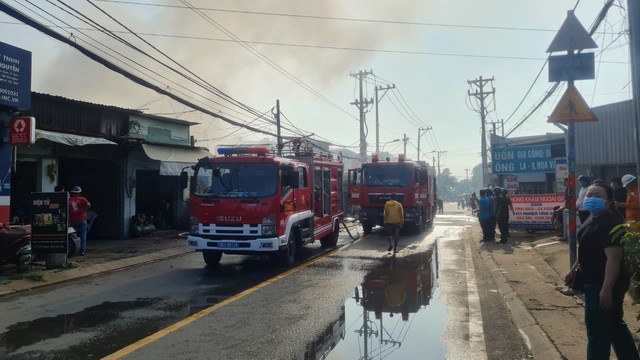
<point>15,246</point>
<point>73,241</point>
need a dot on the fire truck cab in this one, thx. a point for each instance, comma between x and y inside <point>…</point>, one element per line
<point>413,182</point>
<point>248,201</point>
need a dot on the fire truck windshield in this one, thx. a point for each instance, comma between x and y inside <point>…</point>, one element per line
<point>387,175</point>
<point>235,180</point>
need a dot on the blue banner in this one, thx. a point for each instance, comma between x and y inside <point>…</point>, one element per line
<point>15,77</point>
<point>523,159</point>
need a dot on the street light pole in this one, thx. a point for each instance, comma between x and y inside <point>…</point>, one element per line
<point>388,142</point>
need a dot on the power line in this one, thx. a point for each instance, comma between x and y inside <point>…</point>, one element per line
<point>345,48</point>
<point>375,21</point>
<point>36,25</point>
<point>264,58</point>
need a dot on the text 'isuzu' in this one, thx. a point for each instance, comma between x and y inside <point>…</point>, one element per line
<point>250,202</point>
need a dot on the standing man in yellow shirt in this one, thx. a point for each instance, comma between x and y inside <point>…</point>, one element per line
<point>393,221</point>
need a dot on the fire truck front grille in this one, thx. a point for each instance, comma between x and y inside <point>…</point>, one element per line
<point>230,230</point>
<point>383,198</point>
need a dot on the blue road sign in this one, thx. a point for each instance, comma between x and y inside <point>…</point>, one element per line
<point>571,67</point>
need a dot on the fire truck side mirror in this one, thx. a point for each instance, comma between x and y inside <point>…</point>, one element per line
<point>184,179</point>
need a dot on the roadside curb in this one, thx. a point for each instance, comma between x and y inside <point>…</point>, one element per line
<point>534,336</point>
<point>61,276</point>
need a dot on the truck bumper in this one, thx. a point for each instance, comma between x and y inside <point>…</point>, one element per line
<point>260,245</point>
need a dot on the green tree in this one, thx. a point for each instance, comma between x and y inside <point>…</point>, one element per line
<point>447,185</point>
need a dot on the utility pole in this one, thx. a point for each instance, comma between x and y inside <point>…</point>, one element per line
<point>380,88</point>
<point>420,132</point>
<point>634,45</point>
<point>440,153</point>
<point>277,115</point>
<point>481,94</point>
<point>362,104</point>
<point>405,140</point>
<point>467,171</point>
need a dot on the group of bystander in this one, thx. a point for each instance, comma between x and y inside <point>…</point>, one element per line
<point>493,209</point>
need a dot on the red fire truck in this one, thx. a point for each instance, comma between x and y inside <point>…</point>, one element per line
<point>413,182</point>
<point>248,201</point>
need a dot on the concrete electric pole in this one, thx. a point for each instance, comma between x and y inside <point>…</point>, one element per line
<point>440,153</point>
<point>481,94</point>
<point>405,140</point>
<point>420,132</point>
<point>634,45</point>
<point>385,89</point>
<point>362,104</point>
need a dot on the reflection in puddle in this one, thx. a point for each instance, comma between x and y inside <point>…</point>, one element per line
<point>395,313</point>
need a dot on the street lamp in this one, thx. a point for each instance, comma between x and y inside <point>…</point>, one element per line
<point>388,142</point>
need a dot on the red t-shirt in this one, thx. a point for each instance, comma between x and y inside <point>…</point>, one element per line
<point>78,206</point>
<point>633,206</point>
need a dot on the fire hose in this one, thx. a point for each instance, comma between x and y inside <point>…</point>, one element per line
<point>346,227</point>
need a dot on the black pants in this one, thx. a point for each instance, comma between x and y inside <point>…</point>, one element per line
<point>503,226</point>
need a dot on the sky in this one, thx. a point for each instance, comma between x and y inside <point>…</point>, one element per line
<point>304,53</point>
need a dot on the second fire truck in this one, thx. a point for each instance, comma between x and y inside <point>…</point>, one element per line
<point>413,182</point>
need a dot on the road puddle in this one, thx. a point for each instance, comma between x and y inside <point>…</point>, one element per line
<point>395,313</point>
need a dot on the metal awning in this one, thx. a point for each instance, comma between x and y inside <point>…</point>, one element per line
<point>71,139</point>
<point>174,159</point>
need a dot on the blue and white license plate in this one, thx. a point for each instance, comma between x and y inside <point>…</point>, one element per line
<point>228,244</point>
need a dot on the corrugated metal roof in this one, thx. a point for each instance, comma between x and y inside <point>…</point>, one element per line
<point>608,140</point>
<point>111,107</point>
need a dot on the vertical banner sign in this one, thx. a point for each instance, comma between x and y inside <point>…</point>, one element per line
<point>15,77</point>
<point>534,211</point>
<point>49,222</point>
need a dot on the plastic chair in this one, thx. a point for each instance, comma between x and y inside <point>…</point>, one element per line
<point>91,216</point>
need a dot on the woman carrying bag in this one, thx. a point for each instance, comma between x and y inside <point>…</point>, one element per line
<point>605,279</point>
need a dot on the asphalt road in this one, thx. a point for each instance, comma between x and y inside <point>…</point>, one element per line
<point>434,297</point>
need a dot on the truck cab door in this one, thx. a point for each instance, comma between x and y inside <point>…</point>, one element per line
<point>354,187</point>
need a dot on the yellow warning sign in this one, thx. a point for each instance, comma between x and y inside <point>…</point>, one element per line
<point>572,108</point>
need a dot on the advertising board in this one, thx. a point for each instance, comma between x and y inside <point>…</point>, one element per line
<point>522,159</point>
<point>534,211</point>
<point>49,222</point>
<point>15,77</point>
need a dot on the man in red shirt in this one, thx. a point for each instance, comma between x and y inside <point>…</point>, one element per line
<point>78,206</point>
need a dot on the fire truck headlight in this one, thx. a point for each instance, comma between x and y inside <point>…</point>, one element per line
<point>194,225</point>
<point>269,224</point>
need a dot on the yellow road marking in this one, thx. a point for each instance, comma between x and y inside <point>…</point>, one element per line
<point>184,322</point>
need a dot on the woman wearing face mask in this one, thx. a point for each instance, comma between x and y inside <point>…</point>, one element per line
<point>605,279</point>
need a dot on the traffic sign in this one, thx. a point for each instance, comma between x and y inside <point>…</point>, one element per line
<point>22,130</point>
<point>571,36</point>
<point>571,67</point>
<point>572,108</point>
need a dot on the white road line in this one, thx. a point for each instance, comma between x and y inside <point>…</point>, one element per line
<point>477,346</point>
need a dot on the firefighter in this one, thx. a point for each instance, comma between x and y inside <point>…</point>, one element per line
<point>393,221</point>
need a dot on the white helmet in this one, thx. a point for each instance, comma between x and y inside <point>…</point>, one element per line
<point>626,179</point>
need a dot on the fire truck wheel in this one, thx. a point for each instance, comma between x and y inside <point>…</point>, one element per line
<point>331,240</point>
<point>366,228</point>
<point>212,258</point>
<point>420,226</point>
<point>287,256</point>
